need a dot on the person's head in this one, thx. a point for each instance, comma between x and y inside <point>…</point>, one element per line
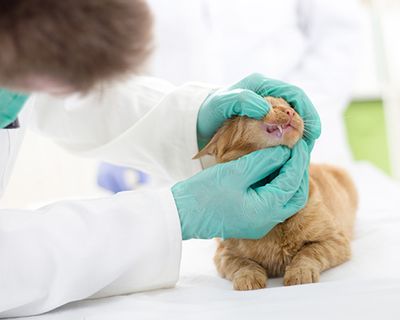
<point>58,46</point>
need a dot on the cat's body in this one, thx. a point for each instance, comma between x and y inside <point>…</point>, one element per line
<point>315,239</point>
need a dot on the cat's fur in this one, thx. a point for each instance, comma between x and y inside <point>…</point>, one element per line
<point>315,239</point>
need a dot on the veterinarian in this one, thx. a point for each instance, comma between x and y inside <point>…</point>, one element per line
<point>72,250</point>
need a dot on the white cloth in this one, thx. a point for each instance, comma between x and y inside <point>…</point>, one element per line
<point>129,242</point>
<point>310,43</point>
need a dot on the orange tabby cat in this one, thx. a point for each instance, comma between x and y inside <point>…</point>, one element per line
<point>315,239</point>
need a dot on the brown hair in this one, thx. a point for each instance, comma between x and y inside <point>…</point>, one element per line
<point>78,42</point>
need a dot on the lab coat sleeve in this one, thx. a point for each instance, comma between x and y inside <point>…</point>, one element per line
<point>73,250</point>
<point>332,33</point>
<point>144,123</point>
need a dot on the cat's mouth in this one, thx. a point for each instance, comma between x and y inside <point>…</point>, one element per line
<point>278,130</point>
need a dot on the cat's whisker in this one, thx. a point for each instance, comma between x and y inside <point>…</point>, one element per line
<point>310,124</point>
<point>307,131</point>
<point>307,134</point>
<point>311,121</point>
<point>308,128</point>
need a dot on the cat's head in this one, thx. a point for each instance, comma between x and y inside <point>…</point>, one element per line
<point>242,135</point>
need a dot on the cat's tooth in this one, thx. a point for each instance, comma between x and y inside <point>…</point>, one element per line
<point>280,129</point>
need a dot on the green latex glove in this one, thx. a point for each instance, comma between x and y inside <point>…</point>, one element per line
<point>11,104</point>
<point>225,103</point>
<point>245,98</point>
<point>222,201</point>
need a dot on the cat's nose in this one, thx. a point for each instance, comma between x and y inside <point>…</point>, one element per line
<point>290,113</point>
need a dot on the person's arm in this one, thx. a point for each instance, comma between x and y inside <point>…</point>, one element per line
<point>73,250</point>
<point>146,123</point>
<point>143,123</point>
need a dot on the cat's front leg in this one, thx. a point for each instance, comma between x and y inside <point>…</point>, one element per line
<point>244,273</point>
<point>250,278</point>
<point>316,257</point>
<point>301,275</point>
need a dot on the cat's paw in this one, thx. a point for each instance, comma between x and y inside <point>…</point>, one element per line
<point>249,280</point>
<point>300,275</point>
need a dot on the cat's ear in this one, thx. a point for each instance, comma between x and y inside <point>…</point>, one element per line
<point>211,148</point>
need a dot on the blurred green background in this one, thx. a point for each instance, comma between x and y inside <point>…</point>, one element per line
<point>365,124</point>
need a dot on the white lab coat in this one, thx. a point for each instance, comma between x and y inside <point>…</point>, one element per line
<point>129,242</point>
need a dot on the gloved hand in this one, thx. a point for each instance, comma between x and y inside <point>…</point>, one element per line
<point>221,201</point>
<point>225,103</point>
<point>11,104</point>
<point>245,98</point>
